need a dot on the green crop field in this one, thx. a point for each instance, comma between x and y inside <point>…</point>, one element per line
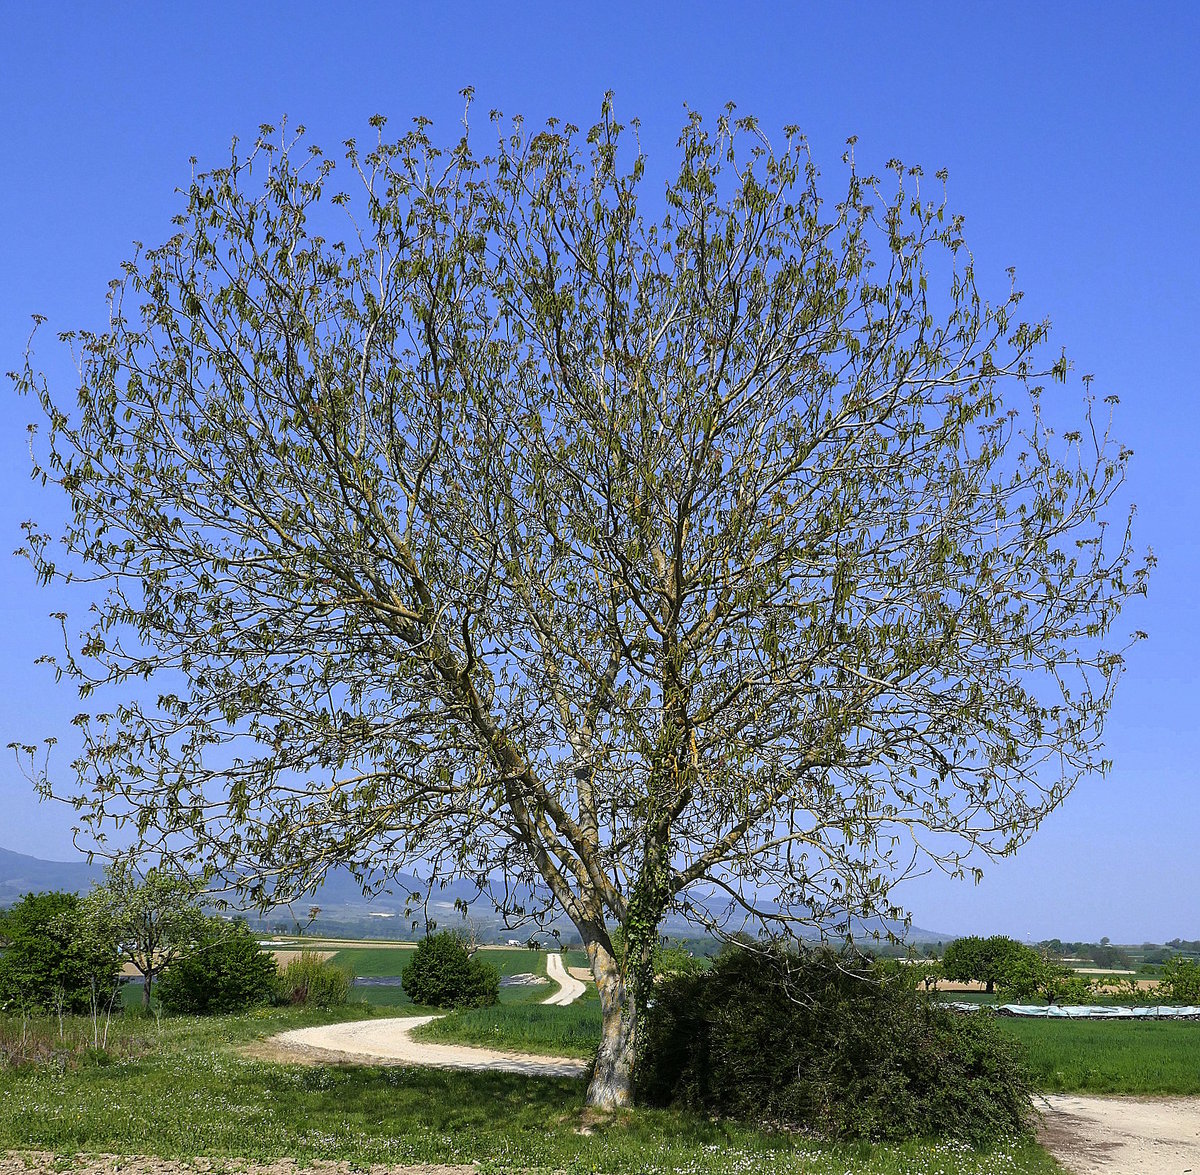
<point>573,1031</point>
<point>376,962</point>
<point>1111,1056</point>
<point>180,1088</point>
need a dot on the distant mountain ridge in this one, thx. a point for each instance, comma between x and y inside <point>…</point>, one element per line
<point>21,874</point>
<point>340,893</point>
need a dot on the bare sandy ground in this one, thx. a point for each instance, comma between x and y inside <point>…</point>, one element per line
<point>1122,1135</point>
<point>40,1163</point>
<point>283,956</point>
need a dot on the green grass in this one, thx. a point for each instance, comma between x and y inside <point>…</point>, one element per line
<point>385,961</point>
<point>186,1091</point>
<point>1111,1056</point>
<point>1118,1057</point>
<point>374,961</point>
<point>573,1031</point>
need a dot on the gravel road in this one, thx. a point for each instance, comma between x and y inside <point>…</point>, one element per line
<point>390,1042</point>
<point>569,988</point>
<point>1122,1135</point>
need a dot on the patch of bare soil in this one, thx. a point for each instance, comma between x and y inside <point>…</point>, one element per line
<point>1140,984</point>
<point>1122,1135</point>
<point>284,955</point>
<point>42,1163</point>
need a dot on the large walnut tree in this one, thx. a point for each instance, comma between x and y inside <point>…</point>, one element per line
<point>518,517</point>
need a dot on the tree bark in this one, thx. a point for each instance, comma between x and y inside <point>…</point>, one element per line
<point>611,1087</point>
<point>147,983</point>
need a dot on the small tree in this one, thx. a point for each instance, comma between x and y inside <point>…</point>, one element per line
<point>981,960</point>
<point>228,972</point>
<point>1180,981</point>
<point>443,975</point>
<point>926,973</point>
<point>51,960</point>
<point>1028,975</point>
<point>154,919</point>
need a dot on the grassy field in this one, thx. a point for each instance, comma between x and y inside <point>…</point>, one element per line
<point>1124,1056</point>
<point>387,962</point>
<point>572,1031</point>
<point>180,1088</point>
<point>374,961</point>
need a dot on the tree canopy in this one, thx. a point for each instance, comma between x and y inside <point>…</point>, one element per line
<point>153,916</point>
<point>984,960</point>
<point>52,959</point>
<point>705,544</point>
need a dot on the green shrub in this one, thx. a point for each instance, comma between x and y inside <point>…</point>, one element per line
<point>829,1043</point>
<point>443,975</point>
<point>314,982</point>
<point>1180,982</point>
<point>229,972</point>
<point>51,959</point>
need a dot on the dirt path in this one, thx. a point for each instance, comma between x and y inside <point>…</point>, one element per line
<point>1122,1135</point>
<point>390,1042</point>
<point>569,988</point>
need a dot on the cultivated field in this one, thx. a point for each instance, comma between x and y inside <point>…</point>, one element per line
<point>1112,1057</point>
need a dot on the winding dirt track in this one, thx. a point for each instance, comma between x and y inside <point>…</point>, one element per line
<point>390,1042</point>
<point>569,987</point>
<point>1122,1135</point>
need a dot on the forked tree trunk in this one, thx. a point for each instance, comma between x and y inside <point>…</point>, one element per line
<point>611,1087</point>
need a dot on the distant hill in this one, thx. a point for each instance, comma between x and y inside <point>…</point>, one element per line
<point>341,898</point>
<point>20,874</point>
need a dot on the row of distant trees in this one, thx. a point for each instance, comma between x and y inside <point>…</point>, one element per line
<point>1020,972</point>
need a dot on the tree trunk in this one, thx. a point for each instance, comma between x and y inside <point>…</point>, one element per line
<point>147,983</point>
<point>611,1086</point>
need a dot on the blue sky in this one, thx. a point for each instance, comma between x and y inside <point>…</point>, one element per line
<point>1071,135</point>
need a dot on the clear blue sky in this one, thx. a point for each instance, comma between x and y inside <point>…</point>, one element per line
<point>1071,135</point>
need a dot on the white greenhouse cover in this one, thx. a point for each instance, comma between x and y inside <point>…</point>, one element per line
<point>1086,1011</point>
